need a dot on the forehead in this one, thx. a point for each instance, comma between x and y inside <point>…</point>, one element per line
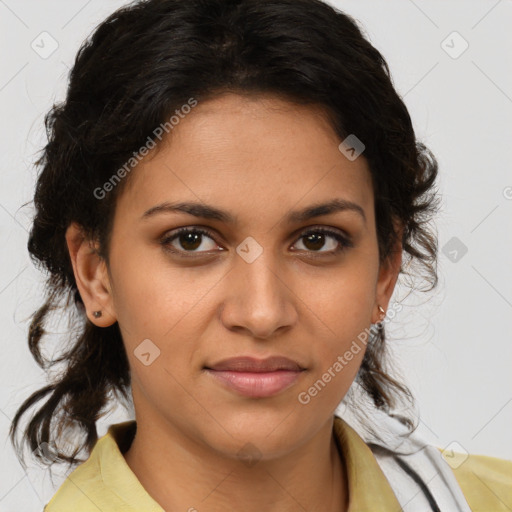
<point>248,153</point>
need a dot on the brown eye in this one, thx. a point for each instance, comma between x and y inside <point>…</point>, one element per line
<point>316,239</point>
<point>190,241</point>
<point>187,240</point>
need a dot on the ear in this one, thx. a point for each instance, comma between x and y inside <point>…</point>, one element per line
<point>91,276</point>
<point>388,276</point>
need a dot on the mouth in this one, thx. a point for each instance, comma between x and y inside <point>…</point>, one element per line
<point>255,378</point>
<point>256,384</point>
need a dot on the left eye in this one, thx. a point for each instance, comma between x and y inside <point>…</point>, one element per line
<point>190,239</point>
<point>316,237</point>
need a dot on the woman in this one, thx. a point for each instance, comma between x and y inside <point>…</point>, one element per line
<point>227,196</point>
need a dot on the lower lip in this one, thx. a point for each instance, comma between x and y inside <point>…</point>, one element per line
<point>257,385</point>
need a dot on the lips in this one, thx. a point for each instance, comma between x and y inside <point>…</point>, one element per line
<point>256,378</point>
<point>251,364</point>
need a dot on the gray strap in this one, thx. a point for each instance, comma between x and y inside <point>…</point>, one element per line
<point>404,459</point>
<point>435,473</point>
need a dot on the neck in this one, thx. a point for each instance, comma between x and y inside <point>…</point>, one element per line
<point>182,475</point>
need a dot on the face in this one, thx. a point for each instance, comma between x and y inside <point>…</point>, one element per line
<point>260,280</point>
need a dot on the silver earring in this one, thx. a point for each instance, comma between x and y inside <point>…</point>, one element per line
<point>96,314</point>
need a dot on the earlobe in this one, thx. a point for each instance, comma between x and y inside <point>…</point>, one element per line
<point>91,277</point>
<point>388,276</point>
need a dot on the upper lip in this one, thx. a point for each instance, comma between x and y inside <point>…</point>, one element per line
<point>251,364</point>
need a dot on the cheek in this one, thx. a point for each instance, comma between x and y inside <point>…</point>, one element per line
<point>341,311</point>
<point>343,301</point>
<point>168,307</point>
<point>151,297</point>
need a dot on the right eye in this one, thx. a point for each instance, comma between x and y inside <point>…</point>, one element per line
<point>189,239</point>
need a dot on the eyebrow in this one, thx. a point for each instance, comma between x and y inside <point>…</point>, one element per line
<point>205,211</point>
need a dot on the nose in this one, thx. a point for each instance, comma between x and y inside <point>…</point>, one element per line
<point>259,300</point>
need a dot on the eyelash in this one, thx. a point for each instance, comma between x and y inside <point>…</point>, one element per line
<point>344,242</point>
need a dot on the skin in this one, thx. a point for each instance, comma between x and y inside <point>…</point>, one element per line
<point>259,158</point>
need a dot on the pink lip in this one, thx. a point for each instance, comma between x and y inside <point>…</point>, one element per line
<point>256,378</point>
<point>256,384</point>
<point>251,364</point>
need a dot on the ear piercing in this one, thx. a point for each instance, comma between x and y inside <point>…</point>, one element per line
<point>379,323</point>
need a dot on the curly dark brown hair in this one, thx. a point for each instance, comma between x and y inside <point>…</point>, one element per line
<point>141,64</point>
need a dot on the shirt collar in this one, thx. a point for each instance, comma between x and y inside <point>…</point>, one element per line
<point>368,487</point>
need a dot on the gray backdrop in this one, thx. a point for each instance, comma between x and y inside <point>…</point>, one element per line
<point>450,61</point>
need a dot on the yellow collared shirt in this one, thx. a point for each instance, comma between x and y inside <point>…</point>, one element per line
<point>106,483</point>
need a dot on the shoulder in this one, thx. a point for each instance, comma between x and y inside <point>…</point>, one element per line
<point>85,488</point>
<point>485,481</point>
<point>80,490</point>
<point>104,481</point>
